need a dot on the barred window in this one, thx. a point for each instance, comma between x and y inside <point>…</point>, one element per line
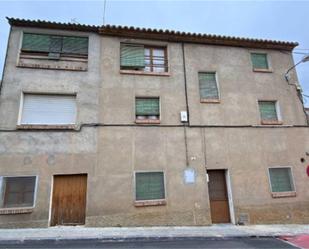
<point>143,58</point>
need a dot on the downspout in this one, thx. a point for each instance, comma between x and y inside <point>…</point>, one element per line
<point>6,56</point>
<point>187,105</point>
<point>185,80</point>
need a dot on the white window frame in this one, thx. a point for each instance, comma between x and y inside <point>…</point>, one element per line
<point>203,100</point>
<point>21,104</point>
<point>34,194</point>
<point>286,193</point>
<point>149,171</point>
<point>277,106</point>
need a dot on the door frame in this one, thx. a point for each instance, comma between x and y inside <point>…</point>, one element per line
<point>229,192</point>
<point>230,195</point>
<point>52,191</point>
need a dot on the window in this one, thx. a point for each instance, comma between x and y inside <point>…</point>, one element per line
<point>259,61</point>
<point>208,87</point>
<point>55,46</point>
<point>147,110</point>
<point>281,180</point>
<point>17,192</point>
<point>149,186</point>
<point>269,112</point>
<point>43,109</point>
<point>143,58</point>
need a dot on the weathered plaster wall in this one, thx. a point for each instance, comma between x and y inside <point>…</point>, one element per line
<point>110,155</point>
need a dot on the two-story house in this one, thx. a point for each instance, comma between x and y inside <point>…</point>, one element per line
<point>121,126</point>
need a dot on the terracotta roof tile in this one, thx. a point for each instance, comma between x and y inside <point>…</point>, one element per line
<point>159,34</point>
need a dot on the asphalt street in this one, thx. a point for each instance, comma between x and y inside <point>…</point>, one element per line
<point>251,243</point>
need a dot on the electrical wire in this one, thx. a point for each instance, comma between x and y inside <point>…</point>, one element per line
<point>104,10</point>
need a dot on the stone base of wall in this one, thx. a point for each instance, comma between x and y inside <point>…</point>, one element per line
<point>178,218</point>
<point>25,224</point>
<point>281,213</point>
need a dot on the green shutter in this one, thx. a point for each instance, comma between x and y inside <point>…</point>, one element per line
<point>149,186</point>
<point>132,56</point>
<point>55,44</point>
<point>268,110</point>
<point>259,61</point>
<point>36,42</point>
<point>75,45</point>
<point>147,106</point>
<point>208,86</point>
<point>281,179</point>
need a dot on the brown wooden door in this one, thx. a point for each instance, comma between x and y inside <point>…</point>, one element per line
<point>69,200</point>
<point>219,204</point>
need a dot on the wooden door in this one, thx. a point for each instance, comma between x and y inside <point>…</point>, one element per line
<point>69,200</point>
<point>219,204</point>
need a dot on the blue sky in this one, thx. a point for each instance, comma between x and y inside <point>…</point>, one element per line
<point>279,20</point>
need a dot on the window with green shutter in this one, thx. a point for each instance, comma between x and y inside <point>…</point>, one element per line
<point>149,186</point>
<point>208,86</point>
<point>132,56</point>
<point>35,43</point>
<point>259,61</point>
<point>281,179</point>
<point>145,58</point>
<point>147,108</point>
<point>268,110</point>
<point>54,44</point>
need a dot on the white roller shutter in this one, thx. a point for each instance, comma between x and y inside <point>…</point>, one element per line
<point>48,109</point>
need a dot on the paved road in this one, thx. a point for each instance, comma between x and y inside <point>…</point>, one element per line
<point>169,244</point>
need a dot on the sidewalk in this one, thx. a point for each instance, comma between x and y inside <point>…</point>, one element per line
<point>144,233</point>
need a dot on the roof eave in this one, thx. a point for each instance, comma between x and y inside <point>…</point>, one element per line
<point>52,25</point>
<point>196,38</point>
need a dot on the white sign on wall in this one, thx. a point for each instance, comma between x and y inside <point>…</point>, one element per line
<point>189,176</point>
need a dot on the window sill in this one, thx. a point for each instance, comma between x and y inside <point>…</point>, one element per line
<point>283,194</point>
<point>45,127</point>
<point>23,210</point>
<point>134,72</point>
<point>265,122</point>
<point>147,121</point>
<point>52,67</point>
<point>61,58</point>
<point>261,70</point>
<point>150,203</point>
<point>213,101</point>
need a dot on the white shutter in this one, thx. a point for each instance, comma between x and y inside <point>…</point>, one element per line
<point>48,109</point>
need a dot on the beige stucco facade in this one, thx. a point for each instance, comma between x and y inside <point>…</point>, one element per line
<point>226,135</point>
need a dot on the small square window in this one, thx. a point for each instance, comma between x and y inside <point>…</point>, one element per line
<point>140,57</point>
<point>149,186</point>
<point>281,179</point>
<point>17,192</point>
<point>147,110</point>
<point>208,87</point>
<point>259,61</point>
<point>269,112</point>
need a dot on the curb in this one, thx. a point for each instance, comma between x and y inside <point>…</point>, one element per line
<point>58,241</point>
